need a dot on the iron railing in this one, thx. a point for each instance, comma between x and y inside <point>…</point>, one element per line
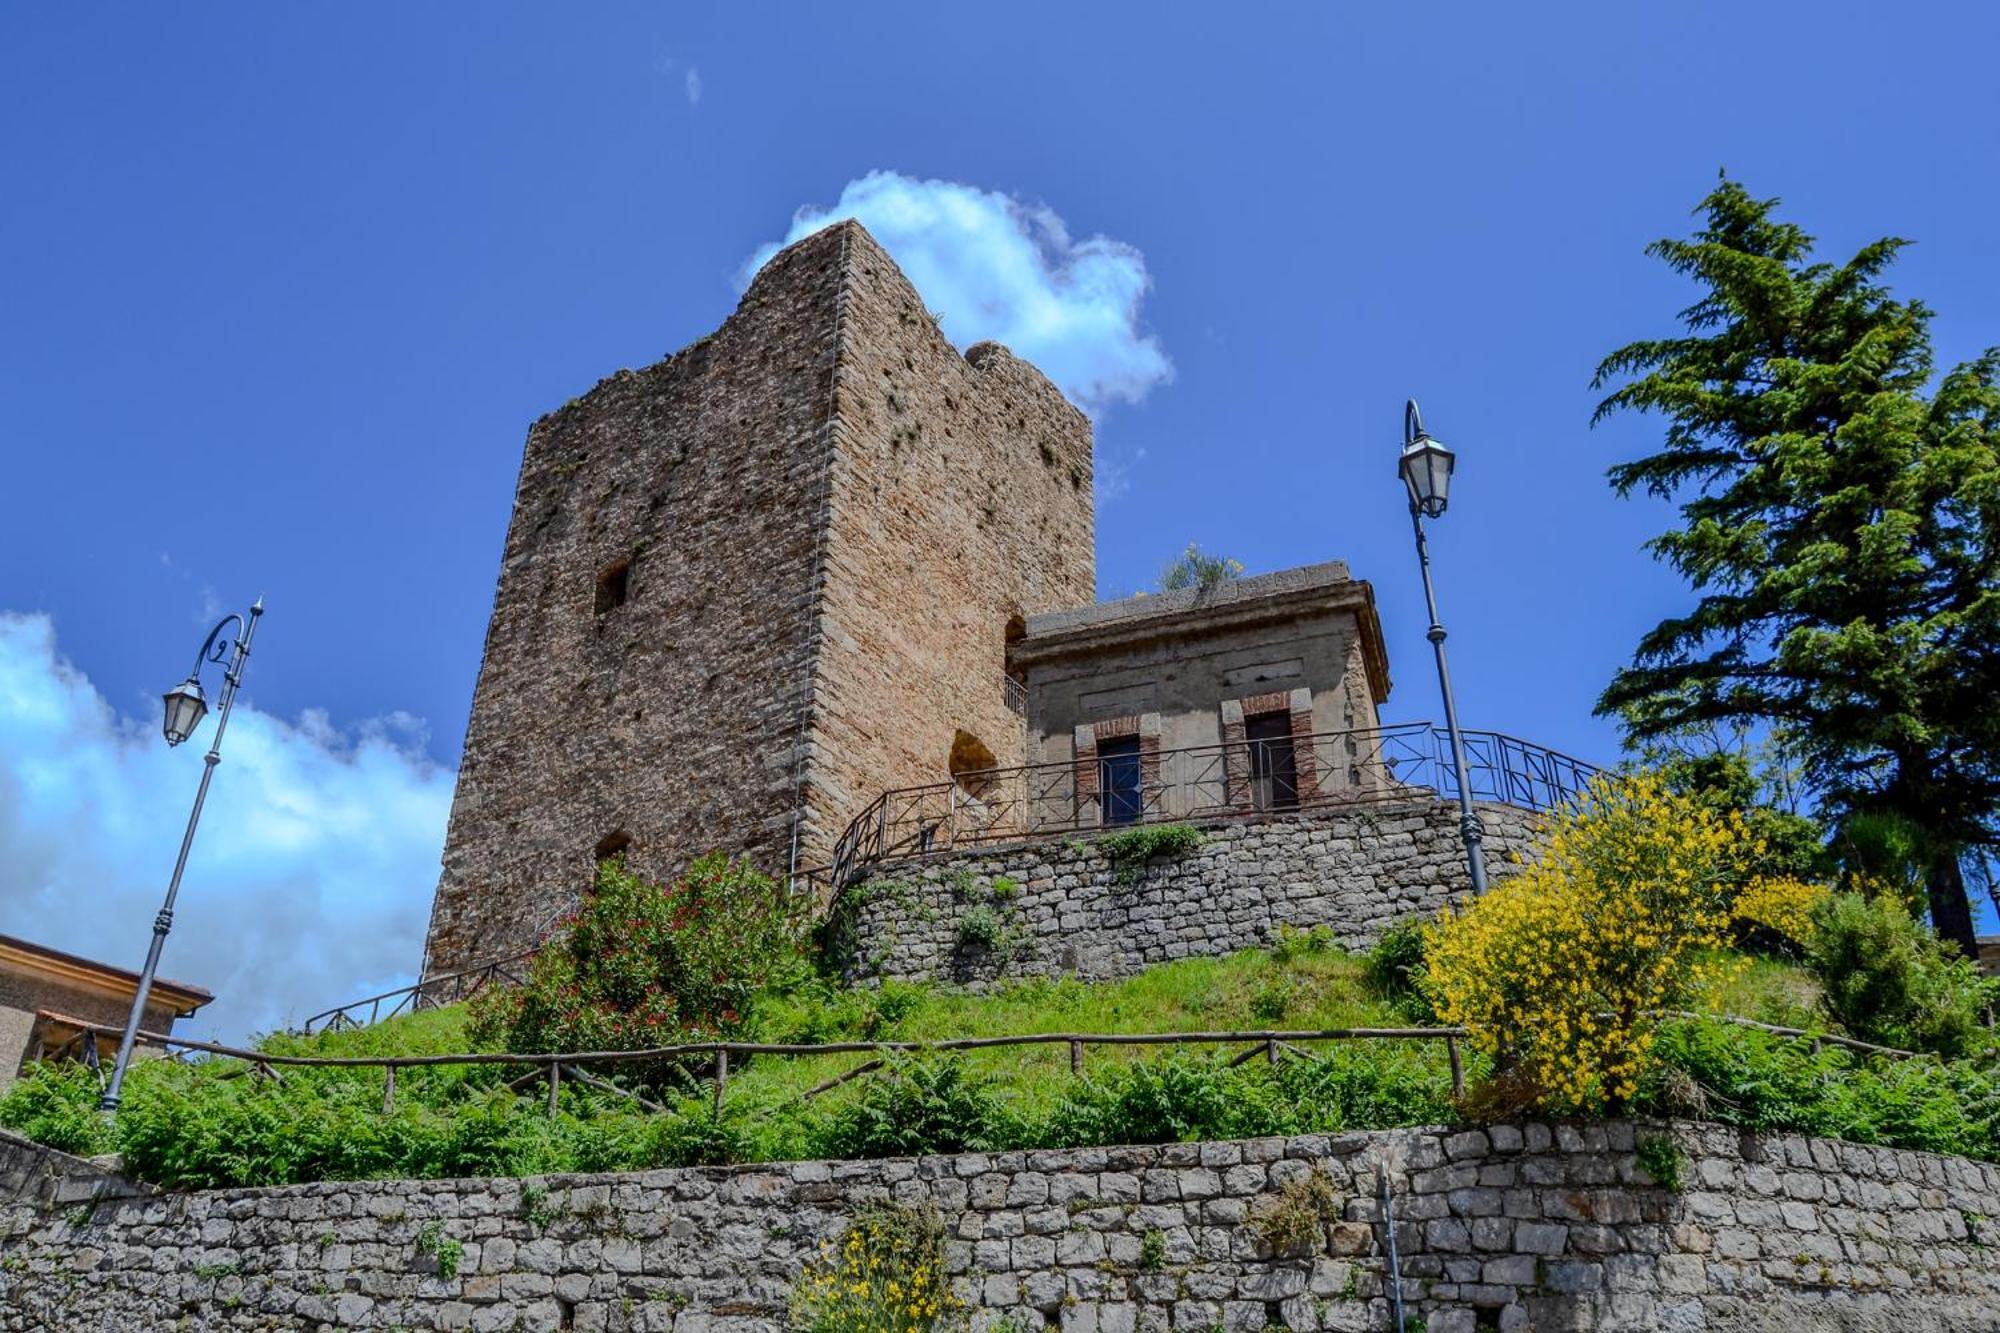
<point>1237,778</point>
<point>430,993</point>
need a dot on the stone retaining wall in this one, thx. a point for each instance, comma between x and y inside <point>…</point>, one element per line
<point>1514,1227</point>
<point>1061,908</point>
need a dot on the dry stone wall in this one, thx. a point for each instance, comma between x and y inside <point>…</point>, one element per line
<point>1063,908</point>
<point>1513,1226</point>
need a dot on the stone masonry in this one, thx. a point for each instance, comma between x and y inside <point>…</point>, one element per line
<point>747,588</point>
<point>1513,1226</point>
<point>1064,909</point>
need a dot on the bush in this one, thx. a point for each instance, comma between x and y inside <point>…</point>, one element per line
<point>57,1105</point>
<point>1129,851</point>
<point>1773,1084</point>
<point>886,1275</point>
<point>640,965</point>
<point>1395,971</point>
<point>1557,970</point>
<point>925,1105</point>
<point>1886,978</point>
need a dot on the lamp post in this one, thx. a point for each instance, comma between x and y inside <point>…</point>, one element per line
<point>1425,467</point>
<point>186,705</point>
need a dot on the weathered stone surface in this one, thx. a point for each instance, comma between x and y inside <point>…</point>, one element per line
<point>825,519</point>
<point>717,1250</point>
<point>1066,910</point>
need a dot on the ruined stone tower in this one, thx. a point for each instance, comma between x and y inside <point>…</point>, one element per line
<point>748,589</point>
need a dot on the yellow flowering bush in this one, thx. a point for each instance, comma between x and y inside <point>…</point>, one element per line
<point>885,1275</point>
<point>1555,972</point>
<point>1782,905</point>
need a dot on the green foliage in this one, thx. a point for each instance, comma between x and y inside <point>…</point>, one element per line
<point>1662,1159</point>
<point>1730,774</point>
<point>1772,1084</point>
<point>639,965</point>
<point>1840,522</point>
<point>57,1105</point>
<point>886,1275</point>
<point>1194,568</point>
<point>1292,1220</point>
<point>1395,971</point>
<point>445,1250</point>
<point>925,1105</point>
<point>981,929</point>
<point>1888,979</point>
<point>1130,850</point>
<point>1153,1250</point>
<point>1293,943</point>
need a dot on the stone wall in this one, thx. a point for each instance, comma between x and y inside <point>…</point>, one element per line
<point>750,586</point>
<point>1064,909</point>
<point>1511,1227</point>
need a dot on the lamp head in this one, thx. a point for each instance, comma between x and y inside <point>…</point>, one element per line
<point>186,705</point>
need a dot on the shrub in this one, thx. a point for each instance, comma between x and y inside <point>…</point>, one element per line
<point>1294,942</point>
<point>885,1275</point>
<point>1888,979</point>
<point>1270,1001</point>
<point>1770,1084</point>
<point>1557,970</point>
<point>1195,568</point>
<point>981,930</point>
<point>57,1105</point>
<point>925,1105</point>
<point>1129,851</point>
<point>1662,1159</point>
<point>1395,971</point>
<point>1774,916</point>
<point>640,965</point>
<point>1293,1219</point>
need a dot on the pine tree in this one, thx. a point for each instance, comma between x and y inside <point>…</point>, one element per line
<point>1839,521</point>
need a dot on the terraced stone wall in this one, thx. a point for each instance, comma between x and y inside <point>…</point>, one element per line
<point>1065,908</point>
<point>1514,1226</point>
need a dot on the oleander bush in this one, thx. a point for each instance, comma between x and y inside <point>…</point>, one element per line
<point>641,964</point>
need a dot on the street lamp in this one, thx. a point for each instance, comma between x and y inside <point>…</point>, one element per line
<point>186,705</point>
<point>1425,467</point>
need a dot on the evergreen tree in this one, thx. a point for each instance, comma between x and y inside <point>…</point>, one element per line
<point>1839,516</point>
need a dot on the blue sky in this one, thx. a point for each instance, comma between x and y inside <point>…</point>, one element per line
<point>282,287</point>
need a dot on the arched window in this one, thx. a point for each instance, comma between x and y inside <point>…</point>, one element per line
<point>972,764</point>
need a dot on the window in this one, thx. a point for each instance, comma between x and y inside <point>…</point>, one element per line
<point>1274,773</point>
<point>972,763</point>
<point>1120,793</point>
<point>612,585</point>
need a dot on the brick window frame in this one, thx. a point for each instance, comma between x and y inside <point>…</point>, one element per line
<point>1297,706</point>
<point>1085,772</point>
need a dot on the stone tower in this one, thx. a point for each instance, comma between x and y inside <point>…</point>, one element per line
<point>748,589</point>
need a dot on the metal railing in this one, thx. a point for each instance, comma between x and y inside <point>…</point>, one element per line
<point>1233,778</point>
<point>430,993</point>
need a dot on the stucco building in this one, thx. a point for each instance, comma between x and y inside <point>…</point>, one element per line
<point>50,999</point>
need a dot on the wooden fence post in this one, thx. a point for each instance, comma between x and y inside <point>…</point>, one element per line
<point>389,1090</point>
<point>1457,1068</point>
<point>721,1077</point>
<point>555,1084</point>
<point>1076,1057</point>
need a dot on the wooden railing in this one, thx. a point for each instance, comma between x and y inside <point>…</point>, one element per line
<point>554,1066</point>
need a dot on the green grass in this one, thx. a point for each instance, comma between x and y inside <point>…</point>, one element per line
<point>213,1123</point>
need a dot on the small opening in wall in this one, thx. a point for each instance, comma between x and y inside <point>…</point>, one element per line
<point>613,582</point>
<point>972,763</point>
<point>612,844</point>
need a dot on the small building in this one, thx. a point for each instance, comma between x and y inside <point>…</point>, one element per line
<point>1256,694</point>
<point>49,1001</point>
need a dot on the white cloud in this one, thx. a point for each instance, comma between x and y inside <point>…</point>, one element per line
<point>693,86</point>
<point>310,880</point>
<point>997,268</point>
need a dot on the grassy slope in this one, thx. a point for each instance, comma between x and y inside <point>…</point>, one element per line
<point>1249,990</point>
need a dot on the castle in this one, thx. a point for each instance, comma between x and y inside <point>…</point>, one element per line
<point>819,556</point>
